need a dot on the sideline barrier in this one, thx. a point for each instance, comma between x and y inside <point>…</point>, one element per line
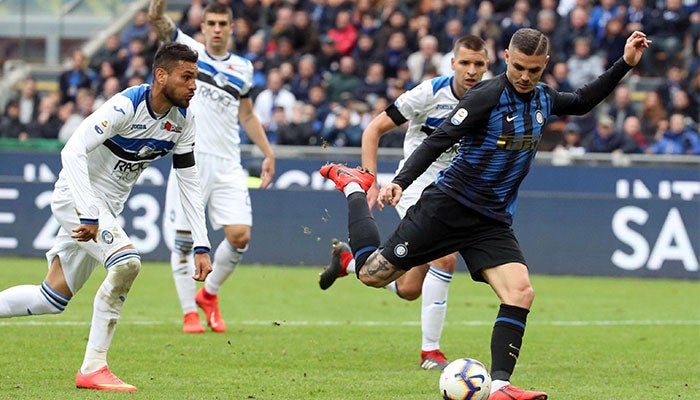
<point>641,221</point>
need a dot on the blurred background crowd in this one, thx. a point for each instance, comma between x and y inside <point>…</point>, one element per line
<point>325,68</point>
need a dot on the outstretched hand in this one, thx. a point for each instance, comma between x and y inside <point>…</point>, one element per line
<point>634,47</point>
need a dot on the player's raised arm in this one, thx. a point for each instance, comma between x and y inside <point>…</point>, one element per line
<point>379,125</point>
<point>164,25</point>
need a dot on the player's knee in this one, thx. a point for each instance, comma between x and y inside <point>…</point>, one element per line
<point>128,269</point>
<point>183,243</point>
<point>408,290</point>
<point>373,281</point>
<point>239,240</point>
<point>123,268</point>
<point>521,296</point>
<point>447,263</point>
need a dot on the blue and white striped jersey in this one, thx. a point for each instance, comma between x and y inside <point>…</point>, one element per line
<point>107,153</point>
<point>221,82</point>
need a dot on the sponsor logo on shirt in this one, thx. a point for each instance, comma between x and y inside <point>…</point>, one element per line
<point>170,127</point>
<point>444,107</point>
<point>459,116</point>
<point>139,126</point>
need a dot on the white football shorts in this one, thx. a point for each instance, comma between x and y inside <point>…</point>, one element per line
<point>224,192</point>
<point>412,193</point>
<point>79,259</point>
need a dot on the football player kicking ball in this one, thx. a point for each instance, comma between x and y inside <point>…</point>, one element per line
<point>224,81</point>
<point>469,208</point>
<point>101,163</point>
<point>425,107</point>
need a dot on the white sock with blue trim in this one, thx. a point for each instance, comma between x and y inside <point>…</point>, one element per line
<point>434,307</point>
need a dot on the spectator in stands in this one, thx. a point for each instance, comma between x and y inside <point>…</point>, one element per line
<point>571,140</point>
<point>373,85</point>
<point>256,55</point>
<point>652,113</point>
<point>305,35</point>
<point>516,20</point>
<point>318,100</point>
<point>105,72</point>
<point>678,139</point>
<point>636,15</point>
<point>667,28</point>
<point>242,31</point>
<point>248,10</point>
<point>343,81</point>
<point>283,52</point>
<point>274,95</point>
<point>583,65</point>
<point>364,52</point>
<point>694,93</point>
<point>612,44</point>
<point>305,78</point>
<point>632,128</point>
<point>111,87</point>
<point>558,78</point>
<point>110,52</point>
<point>299,130</point>
<point>395,54</point>
<point>673,83</point>
<point>139,28</point>
<point>342,128</point>
<point>427,56</point>
<point>343,32</point>
<point>681,103</point>
<point>329,59</point>
<point>10,125</point>
<point>192,18</point>
<point>487,28</point>
<point>397,23</point>
<point>77,77</point>
<point>437,17</point>
<point>622,106</point>
<point>569,30</point>
<point>388,9</point>
<point>48,122</point>
<point>137,67</point>
<point>453,30</point>
<point>28,102</point>
<point>84,101</point>
<point>464,10</point>
<point>600,15</point>
<point>605,138</point>
<point>282,27</point>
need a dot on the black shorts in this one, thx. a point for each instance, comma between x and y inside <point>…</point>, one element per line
<point>438,225</point>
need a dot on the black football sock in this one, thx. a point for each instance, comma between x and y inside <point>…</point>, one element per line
<point>506,340</point>
<point>363,231</point>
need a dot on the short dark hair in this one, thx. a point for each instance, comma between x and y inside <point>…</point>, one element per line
<point>218,8</point>
<point>171,54</point>
<point>530,42</point>
<point>470,42</point>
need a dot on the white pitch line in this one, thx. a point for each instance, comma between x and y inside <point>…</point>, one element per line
<point>366,323</point>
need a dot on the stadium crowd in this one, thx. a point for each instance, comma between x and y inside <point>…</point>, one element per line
<point>325,68</point>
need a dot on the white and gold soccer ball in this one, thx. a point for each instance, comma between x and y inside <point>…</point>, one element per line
<point>465,379</point>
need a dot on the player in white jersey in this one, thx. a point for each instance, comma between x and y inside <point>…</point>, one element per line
<point>425,107</point>
<point>221,101</point>
<point>101,163</point>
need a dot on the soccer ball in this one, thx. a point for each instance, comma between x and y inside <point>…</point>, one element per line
<point>465,379</point>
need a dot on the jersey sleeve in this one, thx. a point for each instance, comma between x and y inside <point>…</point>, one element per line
<point>183,38</point>
<point>248,80</point>
<point>588,96</point>
<point>188,183</point>
<point>104,123</point>
<point>414,103</point>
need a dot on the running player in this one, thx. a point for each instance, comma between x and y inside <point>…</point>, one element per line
<point>425,107</point>
<point>101,162</point>
<point>221,102</point>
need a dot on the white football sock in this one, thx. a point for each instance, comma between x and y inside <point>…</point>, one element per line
<point>351,188</point>
<point>31,300</point>
<point>122,269</point>
<point>183,269</point>
<point>226,260</point>
<point>497,384</point>
<point>351,267</point>
<point>392,286</point>
<point>434,306</point>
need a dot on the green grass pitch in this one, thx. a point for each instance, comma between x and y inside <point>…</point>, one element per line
<point>587,339</point>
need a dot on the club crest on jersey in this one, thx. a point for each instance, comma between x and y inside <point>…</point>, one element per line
<point>107,237</point>
<point>220,79</point>
<point>401,250</point>
<point>459,116</point>
<point>539,117</point>
<point>170,127</point>
<point>145,151</point>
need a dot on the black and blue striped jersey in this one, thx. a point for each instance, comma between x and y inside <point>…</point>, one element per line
<point>498,130</point>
